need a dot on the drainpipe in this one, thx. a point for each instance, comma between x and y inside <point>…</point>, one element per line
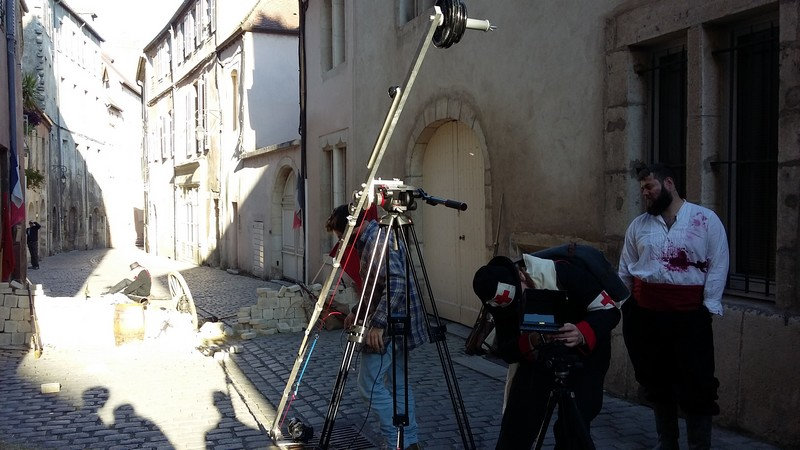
<point>143,164</point>
<point>303,6</point>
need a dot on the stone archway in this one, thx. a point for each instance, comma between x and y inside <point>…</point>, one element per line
<point>288,239</point>
<point>447,156</point>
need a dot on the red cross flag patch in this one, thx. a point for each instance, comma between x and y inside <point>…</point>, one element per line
<point>504,295</point>
<point>602,301</point>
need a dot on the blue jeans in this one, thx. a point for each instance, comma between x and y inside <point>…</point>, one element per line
<point>376,370</point>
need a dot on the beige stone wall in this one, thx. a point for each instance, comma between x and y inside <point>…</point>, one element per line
<point>755,364</point>
<point>755,339</point>
<point>15,316</point>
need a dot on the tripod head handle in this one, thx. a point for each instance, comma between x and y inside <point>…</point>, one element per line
<point>431,200</point>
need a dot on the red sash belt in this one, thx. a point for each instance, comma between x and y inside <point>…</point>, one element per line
<point>667,297</point>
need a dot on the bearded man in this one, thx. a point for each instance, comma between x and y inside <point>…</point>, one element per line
<point>675,261</point>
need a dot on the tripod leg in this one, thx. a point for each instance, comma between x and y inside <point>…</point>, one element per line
<point>575,430</point>
<point>438,336</point>
<point>336,396</point>
<point>552,401</point>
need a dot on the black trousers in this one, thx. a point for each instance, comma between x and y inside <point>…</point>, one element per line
<point>33,251</point>
<point>527,403</point>
<point>673,356</point>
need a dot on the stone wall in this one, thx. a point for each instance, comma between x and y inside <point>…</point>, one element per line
<point>15,314</point>
<point>758,382</point>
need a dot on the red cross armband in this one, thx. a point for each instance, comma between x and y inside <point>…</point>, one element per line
<point>602,301</point>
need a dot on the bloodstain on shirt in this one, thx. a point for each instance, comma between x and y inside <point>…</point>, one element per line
<point>677,260</point>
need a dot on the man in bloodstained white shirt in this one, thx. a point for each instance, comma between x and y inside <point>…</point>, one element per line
<point>675,261</point>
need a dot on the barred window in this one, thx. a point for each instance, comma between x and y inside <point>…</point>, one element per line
<point>752,154</point>
<point>668,111</point>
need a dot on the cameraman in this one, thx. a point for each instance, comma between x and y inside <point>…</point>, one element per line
<point>591,315</point>
<point>375,374</point>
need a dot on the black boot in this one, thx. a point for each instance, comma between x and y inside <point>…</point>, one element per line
<point>666,426</point>
<point>698,431</point>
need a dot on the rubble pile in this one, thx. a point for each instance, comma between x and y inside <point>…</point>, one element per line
<point>283,310</point>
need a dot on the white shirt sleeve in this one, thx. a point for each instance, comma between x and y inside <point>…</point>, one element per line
<point>628,256</point>
<point>717,256</point>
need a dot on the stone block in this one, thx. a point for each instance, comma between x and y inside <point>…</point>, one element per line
<point>50,388</point>
<point>4,289</point>
<point>5,312</point>
<point>5,339</point>
<point>296,329</point>
<point>248,335</point>
<point>10,301</point>
<point>255,322</point>
<point>24,326</point>
<point>268,314</point>
<point>17,314</point>
<point>244,311</point>
<point>282,291</point>
<point>272,294</point>
<point>243,320</point>
<point>255,312</point>
<point>294,288</point>
<point>263,291</point>
<point>766,400</point>
<point>284,328</point>
<point>278,313</point>
<point>18,338</point>
<point>272,323</point>
<point>283,302</point>
<point>263,302</point>
<point>10,326</point>
<point>289,314</point>
<point>315,287</point>
<point>267,331</point>
<point>235,349</point>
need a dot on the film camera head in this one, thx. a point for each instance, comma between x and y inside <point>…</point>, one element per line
<point>394,195</point>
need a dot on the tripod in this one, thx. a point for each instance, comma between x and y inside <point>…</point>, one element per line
<point>397,229</point>
<point>562,395</point>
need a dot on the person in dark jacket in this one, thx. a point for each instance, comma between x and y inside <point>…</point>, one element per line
<point>584,338</point>
<point>33,243</point>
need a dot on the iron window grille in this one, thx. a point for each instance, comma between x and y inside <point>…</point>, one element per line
<point>751,181</point>
<point>667,78</point>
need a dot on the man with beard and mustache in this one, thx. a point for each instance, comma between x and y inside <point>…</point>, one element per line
<point>675,261</point>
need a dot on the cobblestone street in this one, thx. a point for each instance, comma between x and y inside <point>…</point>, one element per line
<point>153,395</point>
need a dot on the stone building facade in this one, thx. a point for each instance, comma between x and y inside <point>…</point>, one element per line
<point>95,115</point>
<point>221,114</point>
<point>538,125</point>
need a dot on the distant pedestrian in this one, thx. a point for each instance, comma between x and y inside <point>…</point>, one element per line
<point>33,243</point>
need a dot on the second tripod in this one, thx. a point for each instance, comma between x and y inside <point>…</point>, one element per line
<point>397,234</point>
<point>560,393</point>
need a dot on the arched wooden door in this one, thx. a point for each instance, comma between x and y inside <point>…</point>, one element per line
<point>292,245</point>
<point>455,246</point>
